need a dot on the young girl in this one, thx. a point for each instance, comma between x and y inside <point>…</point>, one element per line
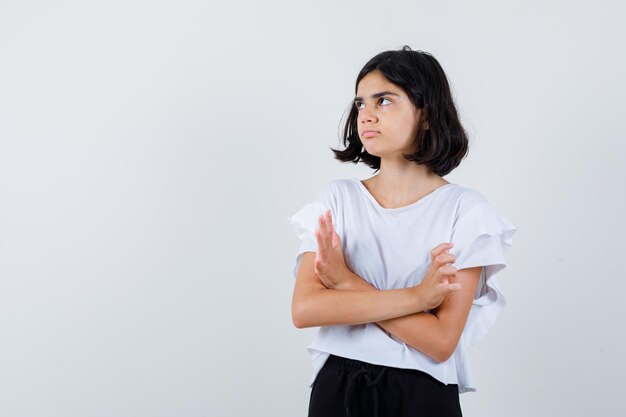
<point>398,271</point>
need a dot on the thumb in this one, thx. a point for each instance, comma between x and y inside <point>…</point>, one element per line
<point>336,240</point>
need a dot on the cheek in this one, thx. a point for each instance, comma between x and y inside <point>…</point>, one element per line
<point>404,124</point>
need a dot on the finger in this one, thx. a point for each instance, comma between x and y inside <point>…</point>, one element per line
<point>329,217</point>
<point>320,221</point>
<point>446,258</point>
<point>447,270</point>
<point>447,287</point>
<point>321,242</point>
<point>336,240</point>
<point>328,221</point>
<point>440,248</point>
<point>324,223</point>
<point>325,231</point>
<point>325,236</point>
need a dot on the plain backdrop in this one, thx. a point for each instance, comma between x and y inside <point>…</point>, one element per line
<point>151,152</point>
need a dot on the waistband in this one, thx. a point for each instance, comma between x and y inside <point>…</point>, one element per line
<point>347,364</point>
<point>373,374</point>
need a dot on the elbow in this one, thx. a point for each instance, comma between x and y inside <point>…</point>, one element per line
<point>305,310</point>
<point>442,356</point>
<point>299,316</point>
<point>445,350</point>
<point>439,350</point>
<point>297,321</point>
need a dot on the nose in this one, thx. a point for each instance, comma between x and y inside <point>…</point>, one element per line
<point>367,115</point>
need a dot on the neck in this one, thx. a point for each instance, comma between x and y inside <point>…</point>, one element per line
<point>399,181</point>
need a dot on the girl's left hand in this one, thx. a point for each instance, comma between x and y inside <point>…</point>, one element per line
<point>330,264</point>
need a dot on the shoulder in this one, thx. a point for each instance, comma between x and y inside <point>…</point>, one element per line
<point>335,190</point>
<point>465,199</point>
<point>340,184</point>
<point>474,211</point>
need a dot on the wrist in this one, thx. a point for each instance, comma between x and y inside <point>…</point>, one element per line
<point>418,298</point>
<point>352,281</point>
<point>346,282</point>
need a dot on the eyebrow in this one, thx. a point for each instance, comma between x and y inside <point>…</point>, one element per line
<point>376,95</point>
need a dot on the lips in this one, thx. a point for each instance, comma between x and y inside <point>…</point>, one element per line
<point>370,133</point>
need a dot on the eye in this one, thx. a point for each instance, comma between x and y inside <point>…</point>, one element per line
<point>384,98</point>
<point>357,104</point>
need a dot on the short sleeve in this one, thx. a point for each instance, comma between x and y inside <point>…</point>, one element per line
<point>482,237</point>
<point>305,223</point>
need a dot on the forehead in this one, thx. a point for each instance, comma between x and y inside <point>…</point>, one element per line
<point>374,82</point>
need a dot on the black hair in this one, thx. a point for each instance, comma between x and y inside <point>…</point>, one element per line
<point>445,143</point>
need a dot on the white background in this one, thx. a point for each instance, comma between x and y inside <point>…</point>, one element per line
<point>151,152</point>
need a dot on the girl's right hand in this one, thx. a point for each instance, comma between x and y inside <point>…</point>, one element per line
<point>436,284</point>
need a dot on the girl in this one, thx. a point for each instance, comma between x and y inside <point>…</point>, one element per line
<point>398,271</point>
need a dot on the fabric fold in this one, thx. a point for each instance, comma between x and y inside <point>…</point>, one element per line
<point>482,237</point>
<point>305,223</point>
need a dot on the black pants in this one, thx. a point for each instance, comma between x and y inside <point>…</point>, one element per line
<point>347,387</point>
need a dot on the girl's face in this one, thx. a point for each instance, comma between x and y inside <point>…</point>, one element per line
<point>387,120</point>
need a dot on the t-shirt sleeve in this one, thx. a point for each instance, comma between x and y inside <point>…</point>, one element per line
<point>482,237</point>
<point>305,223</point>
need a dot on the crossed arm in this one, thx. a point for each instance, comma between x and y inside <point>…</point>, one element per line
<point>396,311</point>
<point>338,296</point>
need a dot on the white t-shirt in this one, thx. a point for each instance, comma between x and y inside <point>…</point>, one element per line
<point>390,248</point>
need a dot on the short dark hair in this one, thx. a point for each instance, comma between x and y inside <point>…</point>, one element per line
<point>445,143</point>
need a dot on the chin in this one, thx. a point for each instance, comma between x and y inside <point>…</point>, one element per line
<point>371,151</point>
<point>383,153</point>
<point>374,151</point>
